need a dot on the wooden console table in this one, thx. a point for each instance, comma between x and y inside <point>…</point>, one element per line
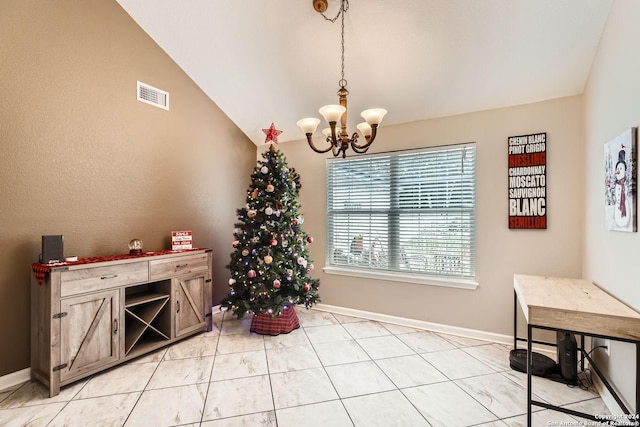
<point>578,306</point>
<point>90,315</point>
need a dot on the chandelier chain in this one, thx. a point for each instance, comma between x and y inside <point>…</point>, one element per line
<point>343,82</point>
<point>344,6</point>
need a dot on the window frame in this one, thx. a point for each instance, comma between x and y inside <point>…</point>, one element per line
<point>403,275</point>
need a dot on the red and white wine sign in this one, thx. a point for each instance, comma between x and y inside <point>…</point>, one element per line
<point>528,181</point>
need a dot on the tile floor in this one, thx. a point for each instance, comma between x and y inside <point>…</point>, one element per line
<point>332,371</point>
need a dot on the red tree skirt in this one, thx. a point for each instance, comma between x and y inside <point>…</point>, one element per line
<point>268,325</point>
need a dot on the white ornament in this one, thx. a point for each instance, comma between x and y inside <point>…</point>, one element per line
<point>268,210</point>
<point>264,170</point>
<point>232,282</point>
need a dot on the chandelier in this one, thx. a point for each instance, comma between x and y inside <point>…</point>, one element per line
<point>337,137</point>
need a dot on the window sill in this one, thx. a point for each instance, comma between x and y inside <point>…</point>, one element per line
<point>403,277</point>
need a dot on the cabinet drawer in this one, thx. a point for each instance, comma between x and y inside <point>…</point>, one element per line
<point>160,269</point>
<point>97,278</point>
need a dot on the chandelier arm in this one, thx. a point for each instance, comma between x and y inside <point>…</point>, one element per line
<point>369,140</point>
<point>335,147</point>
<point>313,147</point>
<point>335,151</point>
<point>333,138</point>
<point>360,150</point>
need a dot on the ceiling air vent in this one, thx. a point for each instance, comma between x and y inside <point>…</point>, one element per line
<point>153,96</point>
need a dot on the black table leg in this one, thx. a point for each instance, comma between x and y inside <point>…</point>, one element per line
<point>515,320</point>
<point>529,371</point>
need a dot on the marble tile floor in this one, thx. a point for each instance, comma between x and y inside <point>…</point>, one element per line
<point>333,371</point>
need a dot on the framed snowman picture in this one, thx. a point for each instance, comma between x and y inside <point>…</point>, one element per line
<point>620,179</point>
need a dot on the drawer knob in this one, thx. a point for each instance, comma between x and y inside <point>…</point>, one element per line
<point>113,276</point>
<point>181,265</point>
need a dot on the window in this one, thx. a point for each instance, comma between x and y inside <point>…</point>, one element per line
<point>409,213</point>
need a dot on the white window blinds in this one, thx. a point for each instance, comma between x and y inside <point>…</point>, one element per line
<point>406,212</point>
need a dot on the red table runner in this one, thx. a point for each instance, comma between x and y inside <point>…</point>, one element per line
<point>40,270</point>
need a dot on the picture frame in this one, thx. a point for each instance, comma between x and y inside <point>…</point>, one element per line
<point>527,181</point>
<point>620,182</point>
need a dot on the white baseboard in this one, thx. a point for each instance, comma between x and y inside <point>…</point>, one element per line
<point>435,327</point>
<point>419,324</point>
<point>607,397</point>
<point>15,378</point>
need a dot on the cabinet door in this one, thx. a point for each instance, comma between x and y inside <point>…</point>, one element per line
<point>89,332</point>
<point>189,304</point>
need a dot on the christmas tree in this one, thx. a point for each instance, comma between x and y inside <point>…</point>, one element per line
<point>270,264</point>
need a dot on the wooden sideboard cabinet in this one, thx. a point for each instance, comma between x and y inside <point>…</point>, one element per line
<point>89,317</point>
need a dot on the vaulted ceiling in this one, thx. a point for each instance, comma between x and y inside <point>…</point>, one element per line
<point>279,60</point>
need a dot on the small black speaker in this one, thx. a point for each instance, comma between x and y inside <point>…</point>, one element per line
<point>52,249</point>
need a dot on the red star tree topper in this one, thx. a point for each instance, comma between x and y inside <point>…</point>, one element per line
<point>272,134</point>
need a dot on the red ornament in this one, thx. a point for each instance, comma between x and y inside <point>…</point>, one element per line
<point>274,242</point>
<point>276,283</point>
<point>235,243</point>
<point>272,134</point>
<point>306,287</point>
<point>251,274</point>
<point>310,239</point>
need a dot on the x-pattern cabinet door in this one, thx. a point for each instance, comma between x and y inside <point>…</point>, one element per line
<point>89,332</point>
<point>190,304</point>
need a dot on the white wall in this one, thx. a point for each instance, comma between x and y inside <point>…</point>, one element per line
<point>501,252</point>
<point>612,105</point>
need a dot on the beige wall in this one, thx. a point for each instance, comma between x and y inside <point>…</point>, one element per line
<point>612,105</point>
<point>501,252</point>
<point>79,156</point>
